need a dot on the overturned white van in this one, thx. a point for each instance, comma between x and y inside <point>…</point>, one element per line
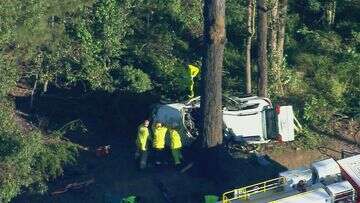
<point>249,120</point>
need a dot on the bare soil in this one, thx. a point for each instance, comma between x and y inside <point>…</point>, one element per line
<point>117,176</point>
<point>291,157</point>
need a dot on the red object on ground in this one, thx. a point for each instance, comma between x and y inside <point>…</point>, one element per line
<point>103,151</point>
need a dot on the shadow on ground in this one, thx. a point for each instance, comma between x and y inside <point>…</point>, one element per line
<point>111,119</point>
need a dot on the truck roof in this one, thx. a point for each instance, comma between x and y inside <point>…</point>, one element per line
<point>339,187</point>
<point>351,167</point>
<point>326,168</point>
<point>314,196</point>
<point>276,196</point>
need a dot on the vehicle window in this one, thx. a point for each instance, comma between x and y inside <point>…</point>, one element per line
<point>254,106</point>
<point>230,105</point>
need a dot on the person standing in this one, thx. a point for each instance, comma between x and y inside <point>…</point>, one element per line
<point>142,142</point>
<point>193,72</point>
<point>159,142</point>
<point>175,146</point>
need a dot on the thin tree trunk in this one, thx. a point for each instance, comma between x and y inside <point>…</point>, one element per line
<point>46,85</point>
<point>211,94</point>
<point>251,26</point>
<point>281,34</point>
<point>330,10</point>
<point>273,32</point>
<point>262,49</point>
<point>33,91</point>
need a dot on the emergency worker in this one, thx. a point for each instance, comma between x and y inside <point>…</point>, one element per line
<point>175,146</point>
<point>142,143</point>
<point>159,132</point>
<point>193,72</point>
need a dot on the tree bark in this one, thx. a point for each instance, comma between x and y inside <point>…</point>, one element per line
<point>281,34</point>
<point>211,90</point>
<point>275,72</point>
<point>251,27</point>
<point>273,31</point>
<point>262,49</point>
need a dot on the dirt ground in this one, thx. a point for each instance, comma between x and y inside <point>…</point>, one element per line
<point>117,176</point>
<point>293,158</point>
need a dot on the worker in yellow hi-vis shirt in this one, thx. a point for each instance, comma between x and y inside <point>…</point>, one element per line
<point>159,142</point>
<point>175,146</point>
<point>193,71</point>
<point>142,142</point>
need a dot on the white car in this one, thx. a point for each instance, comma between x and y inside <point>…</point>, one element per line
<point>249,120</point>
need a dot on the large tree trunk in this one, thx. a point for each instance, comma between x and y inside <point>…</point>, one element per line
<point>281,34</point>
<point>275,73</point>
<point>262,48</point>
<point>251,31</point>
<point>211,94</point>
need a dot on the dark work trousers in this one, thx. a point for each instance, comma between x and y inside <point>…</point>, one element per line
<point>159,156</point>
<point>143,159</point>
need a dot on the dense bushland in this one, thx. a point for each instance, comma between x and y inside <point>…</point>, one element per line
<point>144,46</point>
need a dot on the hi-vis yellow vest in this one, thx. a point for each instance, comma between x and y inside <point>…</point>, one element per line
<point>159,137</point>
<point>175,139</point>
<point>143,135</point>
<point>193,71</point>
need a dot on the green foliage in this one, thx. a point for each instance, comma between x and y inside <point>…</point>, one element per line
<point>316,40</point>
<point>8,76</point>
<point>236,17</point>
<point>314,5</point>
<point>135,80</point>
<point>318,111</point>
<point>307,139</point>
<point>189,14</point>
<point>174,79</point>
<point>26,158</point>
<point>100,33</point>
<point>233,61</point>
<point>145,47</point>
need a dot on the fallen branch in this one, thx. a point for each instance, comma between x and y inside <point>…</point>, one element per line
<point>187,167</point>
<point>74,186</point>
<point>22,113</point>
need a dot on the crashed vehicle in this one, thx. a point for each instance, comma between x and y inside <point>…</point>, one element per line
<point>250,120</point>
